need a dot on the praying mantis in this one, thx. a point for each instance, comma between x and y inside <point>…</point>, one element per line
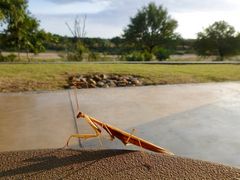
<point>124,137</point>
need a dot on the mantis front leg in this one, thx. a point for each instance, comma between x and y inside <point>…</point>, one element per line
<point>86,136</point>
<point>83,136</point>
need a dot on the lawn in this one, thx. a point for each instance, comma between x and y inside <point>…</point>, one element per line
<point>30,77</point>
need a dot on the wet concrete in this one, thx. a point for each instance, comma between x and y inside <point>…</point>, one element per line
<point>196,120</point>
<point>34,121</point>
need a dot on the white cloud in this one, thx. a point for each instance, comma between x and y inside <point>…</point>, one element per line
<point>71,1</point>
<point>200,5</point>
<point>75,7</point>
<point>189,24</point>
<point>107,18</point>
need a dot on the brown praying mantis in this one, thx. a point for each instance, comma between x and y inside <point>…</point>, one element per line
<point>114,132</point>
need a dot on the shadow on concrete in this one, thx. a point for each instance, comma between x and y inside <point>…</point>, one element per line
<point>209,132</point>
<point>44,162</point>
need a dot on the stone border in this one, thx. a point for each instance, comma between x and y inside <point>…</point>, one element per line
<point>103,81</point>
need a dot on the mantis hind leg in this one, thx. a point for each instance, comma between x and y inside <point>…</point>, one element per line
<point>80,136</point>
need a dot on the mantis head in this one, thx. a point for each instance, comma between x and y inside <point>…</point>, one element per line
<point>80,115</point>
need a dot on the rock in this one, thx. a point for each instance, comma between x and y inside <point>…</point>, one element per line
<point>78,76</point>
<point>106,86</point>
<point>91,81</point>
<point>129,83</point>
<point>111,83</point>
<point>122,83</point>
<point>136,82</point>
<point>130,77</point>
<point>126,77</point>
<point>92,86</point>
<point>100,84</point>
<point>90,76</point>
<point>124,80</point>
<point>115,77</point>
<point>71,78</point>
<point>102,80</point>
<point>97,78</point>
<point>120,78</point>
<point>82,85</point>
<point>103,76</point>
<point>83,80</point>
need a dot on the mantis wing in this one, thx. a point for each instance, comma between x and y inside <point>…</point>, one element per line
<point>127,138</point>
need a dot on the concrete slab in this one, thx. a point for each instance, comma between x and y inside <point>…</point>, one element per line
<point>35,121</point>
<point>195,120</point>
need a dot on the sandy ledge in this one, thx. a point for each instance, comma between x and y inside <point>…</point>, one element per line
<point>106,164</point>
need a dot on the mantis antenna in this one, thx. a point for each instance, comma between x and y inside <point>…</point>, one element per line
<point>76,99</point>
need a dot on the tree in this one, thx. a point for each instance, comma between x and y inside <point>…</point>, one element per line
<point>218,39</point>
<point>78,32</point>
<point>1,16</point>
<point>13,13</point>
<point>33,39</point>
<point>150,27</point>
<point>22,30</point>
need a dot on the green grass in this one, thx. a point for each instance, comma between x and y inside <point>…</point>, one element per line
<point>28,77</point>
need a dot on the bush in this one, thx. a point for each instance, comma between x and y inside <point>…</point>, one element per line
<point>93,56</point>
<point>77,54</point>
<point>8,58</point>
<point>161,53</point>
<point>147,56</point>
<point>135,56</point>
<point>11,58</point>
<point>139,56</point>
<point>73,57</point>
<point>1,57</point>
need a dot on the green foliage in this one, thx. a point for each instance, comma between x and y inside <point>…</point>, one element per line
<point>1,57</point>
<point>80,49</point>
<point>135,56</point>
<point>161,53</point>
<point>93,56</point>
<point>218,39</point>
<point>21,32</point>
<point>78,53</point>
<point>139,56</point>
<point>185,46</point>
<point>8,58</point>
<point>73,57</point>
<point>1,15</point>
<point>150,27</point>
<point>147,56</point>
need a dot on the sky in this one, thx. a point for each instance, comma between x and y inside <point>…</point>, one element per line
<point>108,18</point>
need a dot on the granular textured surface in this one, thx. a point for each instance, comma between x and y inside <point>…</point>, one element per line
<point>106,164</point>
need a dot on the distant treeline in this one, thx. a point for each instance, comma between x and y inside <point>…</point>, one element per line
<point>150,35</point>
<point>113,46</point>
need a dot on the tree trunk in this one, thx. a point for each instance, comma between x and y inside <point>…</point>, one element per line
<point>28,57</point>
<point>151,49</point>
<point>27,51</point>
<point>19,47</point>
<point>221,55</point>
